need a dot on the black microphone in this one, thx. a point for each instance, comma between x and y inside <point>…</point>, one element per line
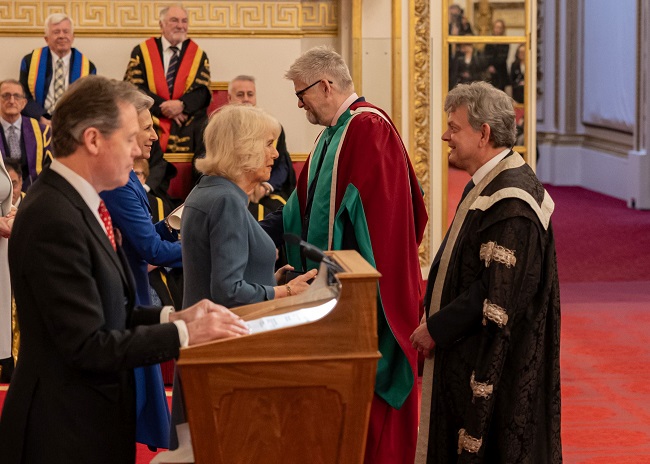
<point>312,252</point>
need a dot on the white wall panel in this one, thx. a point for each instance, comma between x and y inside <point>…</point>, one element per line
<point>609,72</point>
<point>265,58</point>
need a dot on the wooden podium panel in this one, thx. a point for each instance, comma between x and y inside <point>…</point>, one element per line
<point>292,395</point>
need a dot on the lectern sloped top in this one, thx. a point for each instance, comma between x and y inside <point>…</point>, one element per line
<point>296,394</point>
<point>343,330</point>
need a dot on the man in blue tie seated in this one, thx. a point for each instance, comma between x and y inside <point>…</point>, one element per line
<point>72,396</point>
<point>46,72</point>
<point>22,138</point>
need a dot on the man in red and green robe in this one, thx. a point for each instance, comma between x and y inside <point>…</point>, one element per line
<point>359,191</point>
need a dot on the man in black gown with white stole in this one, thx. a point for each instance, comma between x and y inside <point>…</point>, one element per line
<point>492,303</point>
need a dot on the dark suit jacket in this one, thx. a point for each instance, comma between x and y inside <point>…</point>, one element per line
<point>71,398</point>
<point>34,109</point>
<point>283,176</point>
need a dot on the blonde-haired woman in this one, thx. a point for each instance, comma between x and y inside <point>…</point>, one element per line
<point>228,257</point>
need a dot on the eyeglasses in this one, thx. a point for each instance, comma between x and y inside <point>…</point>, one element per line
<point>7,96</point>
<point>300,93</point>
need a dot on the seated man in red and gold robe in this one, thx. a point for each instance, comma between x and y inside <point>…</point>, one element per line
<point>175,72</point>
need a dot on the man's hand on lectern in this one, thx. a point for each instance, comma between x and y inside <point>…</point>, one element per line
<point>207,321</point>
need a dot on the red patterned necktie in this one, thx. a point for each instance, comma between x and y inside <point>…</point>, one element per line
<point>106,219</point>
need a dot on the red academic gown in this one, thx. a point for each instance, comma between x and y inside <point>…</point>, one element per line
<point>379,202</point>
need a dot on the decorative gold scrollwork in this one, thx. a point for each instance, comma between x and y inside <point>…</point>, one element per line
<point>207,19</point>
<point>480,389</point>
<point>494,313</point>
<point>468,443</point>
<point>490,251</point>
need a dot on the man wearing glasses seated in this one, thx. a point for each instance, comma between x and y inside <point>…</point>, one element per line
<point>22,138</point>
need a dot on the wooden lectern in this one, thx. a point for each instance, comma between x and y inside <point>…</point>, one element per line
<point>299,394</point>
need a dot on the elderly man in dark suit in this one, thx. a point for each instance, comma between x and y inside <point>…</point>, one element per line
<point>72,397</point>
<point>21,138</point>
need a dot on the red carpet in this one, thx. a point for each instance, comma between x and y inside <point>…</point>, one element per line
<point>598,238</point>
<point>605,365</point>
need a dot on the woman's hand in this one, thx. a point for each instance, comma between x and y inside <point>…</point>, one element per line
<point>259,192</point>
<point>296,286</point>
<point>6,224</point>
<point>280,273</point>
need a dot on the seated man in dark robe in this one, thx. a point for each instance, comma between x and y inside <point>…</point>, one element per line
<point>175,72</point>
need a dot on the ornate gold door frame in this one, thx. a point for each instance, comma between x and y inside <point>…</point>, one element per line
<point>419,106</point>
<point>419,83</point>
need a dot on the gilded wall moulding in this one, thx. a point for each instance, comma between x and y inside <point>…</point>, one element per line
<point>264,18</point>
<point>421,102</point>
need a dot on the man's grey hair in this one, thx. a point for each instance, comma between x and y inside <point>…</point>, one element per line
<point>486,105</point>
<point>13,81</point>
<point>165,10</point>
<point>56,18</point>
<point>241,77</point>
<point>321,63</point>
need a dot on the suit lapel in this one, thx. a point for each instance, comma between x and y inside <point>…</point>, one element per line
<point>128,274</point>
<point>58,182</point>
<point>3,143</point>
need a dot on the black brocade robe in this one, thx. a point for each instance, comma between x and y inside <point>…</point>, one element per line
<point>494,312</point>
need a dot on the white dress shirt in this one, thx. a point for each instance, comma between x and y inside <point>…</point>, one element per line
<point>344,106</point>
<point>90,196</point>
<point>487,167</point>
<point>5,125</point>
<point>168,52</point>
